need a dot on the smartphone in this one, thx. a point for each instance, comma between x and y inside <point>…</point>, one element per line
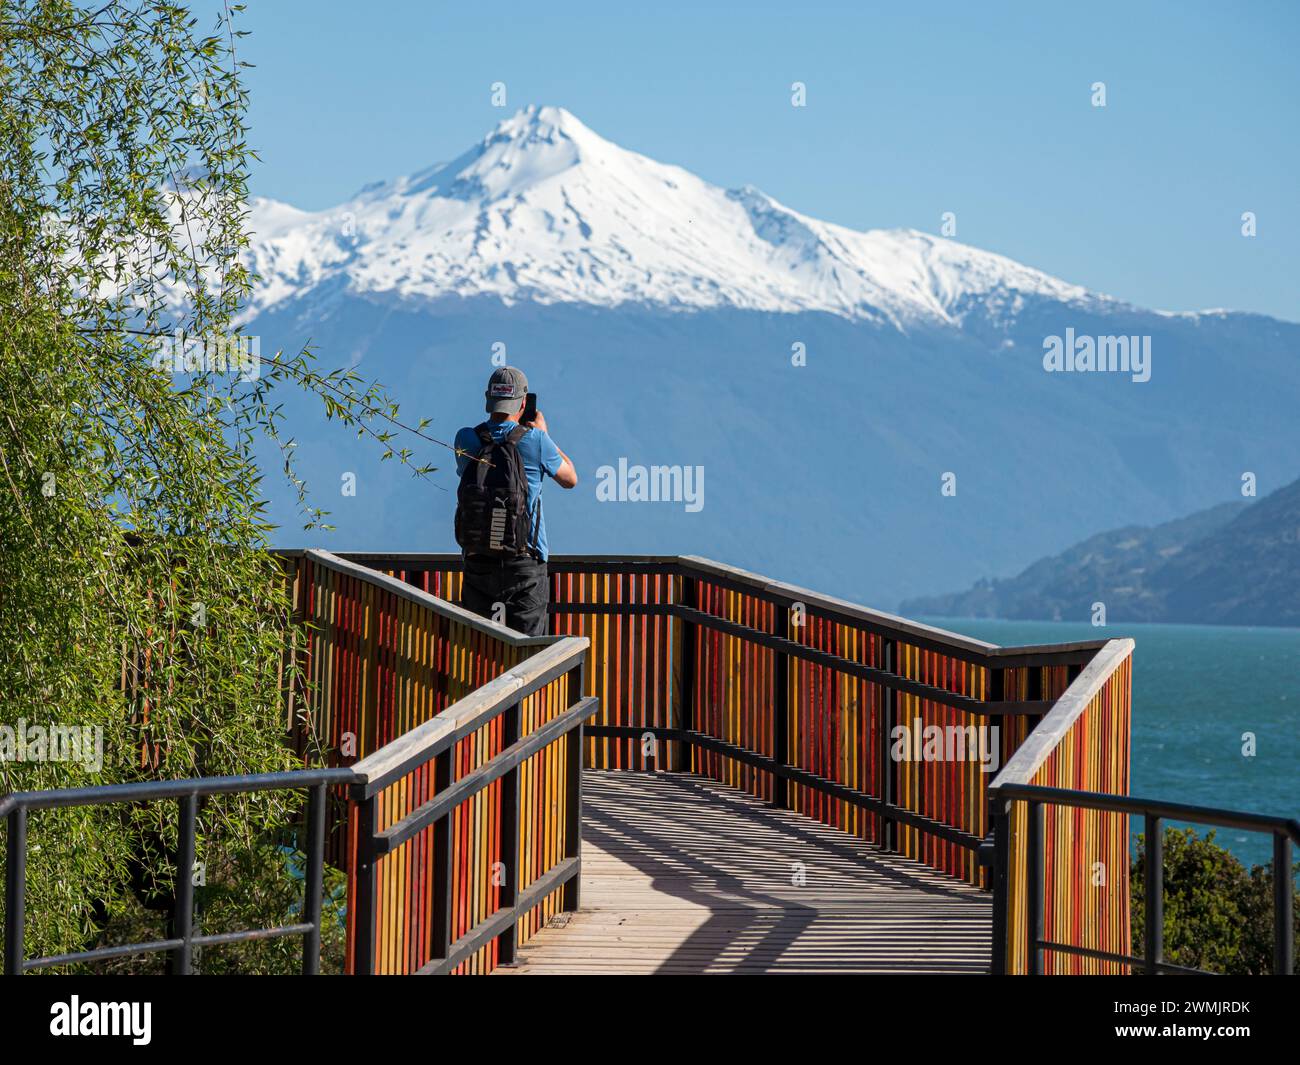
<point>530,409</point>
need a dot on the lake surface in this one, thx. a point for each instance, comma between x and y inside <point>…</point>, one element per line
<point>1196,691</point>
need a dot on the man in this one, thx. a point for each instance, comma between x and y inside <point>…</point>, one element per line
<point>499,522</point>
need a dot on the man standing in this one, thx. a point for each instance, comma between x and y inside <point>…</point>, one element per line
<point>499,522</point>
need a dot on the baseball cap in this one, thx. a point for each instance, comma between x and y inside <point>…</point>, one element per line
<point>506,389</point>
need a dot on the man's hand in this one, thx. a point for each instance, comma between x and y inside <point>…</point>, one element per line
<point>566,476</point>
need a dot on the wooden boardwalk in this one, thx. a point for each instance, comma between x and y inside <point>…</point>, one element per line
<point>683,875</point>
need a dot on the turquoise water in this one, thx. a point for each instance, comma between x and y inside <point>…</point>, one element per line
<point>1196,690</point>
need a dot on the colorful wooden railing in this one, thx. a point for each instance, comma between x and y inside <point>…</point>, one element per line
<point>460,836</point>
<point>1060,849</point>
<point>1062,872</point>
<point>791,695</point>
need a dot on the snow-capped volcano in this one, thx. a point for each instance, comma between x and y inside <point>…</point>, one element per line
<point>546,210</point>
<point>658,315</point>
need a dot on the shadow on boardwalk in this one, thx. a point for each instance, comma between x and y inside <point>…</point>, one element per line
<point>683,875</point>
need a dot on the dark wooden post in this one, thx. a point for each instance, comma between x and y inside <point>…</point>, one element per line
<point>571,896</point>
<point>507,941</point>
<point>689,597</point>
<point>781,708</point>
<point>1000,818</point>
<point>440,947</point>
<point>885,768</point>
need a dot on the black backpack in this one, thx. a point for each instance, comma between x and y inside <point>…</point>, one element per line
<point>492,502</point>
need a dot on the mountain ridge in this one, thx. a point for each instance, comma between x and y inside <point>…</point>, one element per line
<point>667,320</point>
<point>1237,563</point>
<point>545,209</point>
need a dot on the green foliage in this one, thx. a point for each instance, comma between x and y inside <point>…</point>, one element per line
<point>1218,916</point>
<point>136,594</point>
<point>243,888</point>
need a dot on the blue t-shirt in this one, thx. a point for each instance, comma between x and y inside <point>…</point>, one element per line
<point>540,456</point>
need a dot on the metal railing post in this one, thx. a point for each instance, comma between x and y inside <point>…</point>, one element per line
<point>781,709</point>
<point>1000,816</point>
<point>1034,896</point>
<point>1154,951</point>
<point>314,878</point>
<point>15,889</point>
<point>1283,907</point>
<point>367,885</point>
<point>183,914</point>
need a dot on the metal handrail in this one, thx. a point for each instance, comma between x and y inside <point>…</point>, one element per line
<point>1285,832</point>
<point>1014,783</point>
<point>181,944</point>
<point>432,741</point>
<point>1243,820</point>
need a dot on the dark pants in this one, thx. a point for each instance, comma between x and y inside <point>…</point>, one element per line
<point>518,584</point>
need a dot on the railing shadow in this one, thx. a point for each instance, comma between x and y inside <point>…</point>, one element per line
<point>735,858</point>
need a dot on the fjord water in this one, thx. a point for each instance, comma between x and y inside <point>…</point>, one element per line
<point>1197,690</point>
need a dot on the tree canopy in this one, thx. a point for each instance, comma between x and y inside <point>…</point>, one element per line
<point>138,604</point>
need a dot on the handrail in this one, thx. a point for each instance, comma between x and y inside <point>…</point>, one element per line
<point>884,677</point>
<point>411,594</point>
<point>429,887</point>
<point>1285,831</point>
<point>777,592</point>
<point>144,790</point>
<point>1014,784</point>
<point>180,946</point>
<point>1040,743</point>
<point>1244,820</point>
<point>433,742</point>
<point>1090,703</point>
<point>424,742</point>
<point>629,603</point>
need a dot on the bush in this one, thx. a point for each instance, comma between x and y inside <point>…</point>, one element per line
<point>1218,916</point>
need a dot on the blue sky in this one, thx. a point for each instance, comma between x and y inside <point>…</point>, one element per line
<point>913,110</point>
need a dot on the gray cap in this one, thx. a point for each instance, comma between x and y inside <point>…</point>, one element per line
<point>506,389</point>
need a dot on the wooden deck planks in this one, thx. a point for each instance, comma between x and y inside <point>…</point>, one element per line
<point>684,875</point>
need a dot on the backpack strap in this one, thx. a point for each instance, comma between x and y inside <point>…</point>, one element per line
<point>485,437</point>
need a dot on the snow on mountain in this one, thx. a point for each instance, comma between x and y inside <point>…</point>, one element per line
<point>626,289</point>
<point>546,210</point>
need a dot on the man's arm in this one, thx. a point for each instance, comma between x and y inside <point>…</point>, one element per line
<point>566,476</point>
